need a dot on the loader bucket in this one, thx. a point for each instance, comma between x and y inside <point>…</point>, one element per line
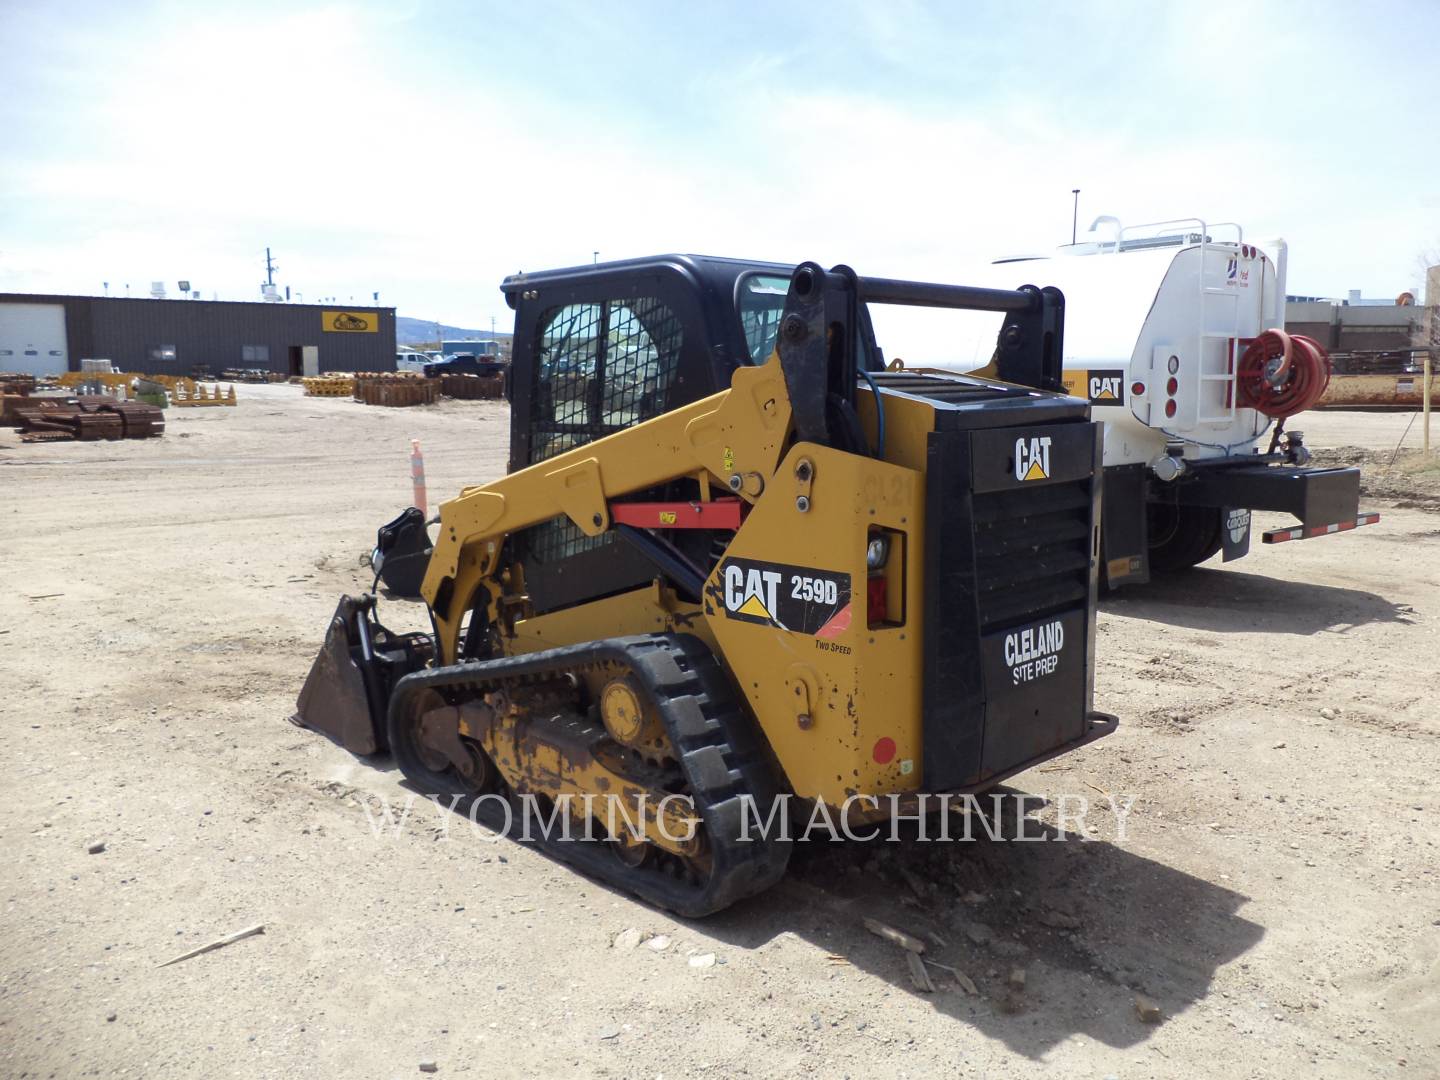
<point>347,692</point>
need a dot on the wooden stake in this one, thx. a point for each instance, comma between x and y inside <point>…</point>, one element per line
<point>239,935</point>
<point>1426,399</point>
<point>899,937</point>
<point>918,975</point>
<point>961,979</point>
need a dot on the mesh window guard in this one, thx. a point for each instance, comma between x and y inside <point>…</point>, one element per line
<point>601,368</point>
<point>566,369</point>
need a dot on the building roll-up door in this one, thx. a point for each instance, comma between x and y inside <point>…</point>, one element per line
<point>32,339</point>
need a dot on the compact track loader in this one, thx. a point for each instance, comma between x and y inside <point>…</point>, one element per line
<point>737,559</point>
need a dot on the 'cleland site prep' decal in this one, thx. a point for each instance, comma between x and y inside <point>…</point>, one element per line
<point>1034,652</point>
<point>797,598</point>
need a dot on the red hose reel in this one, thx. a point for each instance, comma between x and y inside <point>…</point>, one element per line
<point>1282,374</point>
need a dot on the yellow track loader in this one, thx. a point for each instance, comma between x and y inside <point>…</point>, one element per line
<point>738,567</point>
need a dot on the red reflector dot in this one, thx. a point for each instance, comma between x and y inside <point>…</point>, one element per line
<point>1137,388</point>
<point>884,751</point>
<point>1170,408</point>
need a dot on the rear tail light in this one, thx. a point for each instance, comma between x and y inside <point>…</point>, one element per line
<point>1170,408</point>
<point>885,578</point>
<point>876,599</point>
<point>1172,385</point>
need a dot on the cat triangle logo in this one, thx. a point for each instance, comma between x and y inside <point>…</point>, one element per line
<point>754,607</point>
<point>1107,387</point>
<point>1032,458</point>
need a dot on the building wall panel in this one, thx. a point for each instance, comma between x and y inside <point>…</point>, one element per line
<point>213,333</point>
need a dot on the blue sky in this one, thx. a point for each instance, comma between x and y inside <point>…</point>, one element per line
<point>424,150</point>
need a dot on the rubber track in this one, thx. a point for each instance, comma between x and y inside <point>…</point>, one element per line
<point>720,752</point>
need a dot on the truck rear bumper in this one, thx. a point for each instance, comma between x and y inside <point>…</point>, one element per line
<point>1302,532</point>
<point>1318,497</point>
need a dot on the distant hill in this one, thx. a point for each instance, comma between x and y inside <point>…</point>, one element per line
<point>410,331</point>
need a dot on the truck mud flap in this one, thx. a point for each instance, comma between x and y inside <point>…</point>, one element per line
<point>1125,554</point>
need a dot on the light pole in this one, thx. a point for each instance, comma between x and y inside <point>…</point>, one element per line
<point>1074,215</point>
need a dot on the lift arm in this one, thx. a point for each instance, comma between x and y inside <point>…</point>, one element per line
<point>737,436</point>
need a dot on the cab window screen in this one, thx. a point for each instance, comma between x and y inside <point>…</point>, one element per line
<point>601,368</point>
<point>642,351</point>
<point>565,376</point>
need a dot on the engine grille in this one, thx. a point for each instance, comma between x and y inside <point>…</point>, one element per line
<point>1032,552</point>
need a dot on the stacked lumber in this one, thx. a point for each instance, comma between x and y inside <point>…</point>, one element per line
<point>186,393</point>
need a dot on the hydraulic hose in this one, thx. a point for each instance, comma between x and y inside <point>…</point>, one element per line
<point>879,415</point>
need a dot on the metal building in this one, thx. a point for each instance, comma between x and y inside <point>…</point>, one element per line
<point>48,335</point>
<point>1361,336</point>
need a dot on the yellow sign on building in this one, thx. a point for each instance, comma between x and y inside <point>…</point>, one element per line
<point>350,322</point>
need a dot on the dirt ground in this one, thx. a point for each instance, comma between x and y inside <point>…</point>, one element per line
<point>1274,891</point>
